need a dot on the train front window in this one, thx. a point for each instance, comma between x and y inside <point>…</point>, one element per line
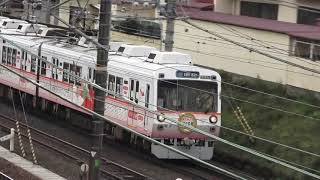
<point>185,95</point>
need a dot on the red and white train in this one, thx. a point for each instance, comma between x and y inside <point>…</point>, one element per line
<point>138,76</point>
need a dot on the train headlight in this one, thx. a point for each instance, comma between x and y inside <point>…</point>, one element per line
<point>161,118</point>
<point>213,119</point>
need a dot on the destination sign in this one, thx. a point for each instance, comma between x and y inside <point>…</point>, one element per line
<point>187,74</point>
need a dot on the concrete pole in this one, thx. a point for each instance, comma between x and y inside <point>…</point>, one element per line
<point>100,96</point>
<point>38,65</point>
<point>171,15</point>
<point>47,13</point>
<point>12,140</point>
<point>26,9</point>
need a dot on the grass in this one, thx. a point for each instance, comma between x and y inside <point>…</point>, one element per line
<point>292,130</point>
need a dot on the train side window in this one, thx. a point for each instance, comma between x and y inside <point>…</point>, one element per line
<point>147,96</point>
<point>43,66</point>
<point>9,55</point>
<point>137,92</point>
<point>119,85</point>
<point>22,62</point>
<point>72,73</point>
<point>4,55</point>
<point>111,84</point>
<point>54,72</point>
<point>65,70</point>
<point>14,57</point>
<point>25,60</point>
<point>132,92</point>
<point>94,76</point>
<point>169,142</point>
<point>78,73</point>
<point>33,63</point>
<point>89,73</point>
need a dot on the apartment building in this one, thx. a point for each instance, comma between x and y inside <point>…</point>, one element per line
<point>291,34</point>
<point>294,11</point>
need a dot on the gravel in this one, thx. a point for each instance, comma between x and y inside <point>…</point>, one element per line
<point>70,169</point>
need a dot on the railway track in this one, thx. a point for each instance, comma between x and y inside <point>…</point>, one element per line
<point>109,169</point>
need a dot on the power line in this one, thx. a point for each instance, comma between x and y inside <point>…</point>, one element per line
<point>126,128</point>
<point>184,125</point>
<point>266,140</point>
<point>233,58</point>
<point>224,141</point>
<point>253,49</point>
<point>241,100</point>
<point>230,29</point>
<point>142,32</point>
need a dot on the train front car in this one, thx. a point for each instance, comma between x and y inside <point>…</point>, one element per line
<point>188,94</point>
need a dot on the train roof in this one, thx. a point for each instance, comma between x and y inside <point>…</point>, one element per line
<point>142,65</point>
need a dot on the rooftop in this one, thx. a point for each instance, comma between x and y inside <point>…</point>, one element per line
<point>198,11</point>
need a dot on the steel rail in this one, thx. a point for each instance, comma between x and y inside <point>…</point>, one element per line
<point>77,148</point>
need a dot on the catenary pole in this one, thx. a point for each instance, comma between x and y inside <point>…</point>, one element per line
<point>101,79</point>
<point>170,14</point>
<point>46,11</point>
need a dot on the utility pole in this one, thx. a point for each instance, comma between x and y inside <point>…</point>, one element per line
<point>45,11</point>
<point>171,15</point>
<point>38,64</point>
<point>26,9</point>
<point>101,80</point>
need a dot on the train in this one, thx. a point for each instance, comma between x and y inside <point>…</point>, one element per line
<point>145,86</point>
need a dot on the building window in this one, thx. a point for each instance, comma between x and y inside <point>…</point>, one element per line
<point>307,15</point>
<point>259,10</point>
<point>307,49</point>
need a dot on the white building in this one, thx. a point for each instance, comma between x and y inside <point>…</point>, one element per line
<point>294,11</point>
<point>279,36</point>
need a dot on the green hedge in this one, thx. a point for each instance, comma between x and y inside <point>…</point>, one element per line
<point>281,127</point>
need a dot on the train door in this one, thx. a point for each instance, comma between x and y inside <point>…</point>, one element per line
<point>133,85</point>
<point>59,71</point>
<point>23,61</point>
<point>136,115</point>
<point>55,62</point>
<point>28,61</point>
<point>125,88</point>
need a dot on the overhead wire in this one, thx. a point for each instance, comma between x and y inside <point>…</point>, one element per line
<point>184,125</point>
<point>237,58</point>
<point>230,129</point>
<point>271,160</point>
<point>277,109</point>
<point>238,99</point>
<point>245,60</point>
<point>124,127</point>
<point>230,29</point>
<point>248,38</point>
<point>127,72</point>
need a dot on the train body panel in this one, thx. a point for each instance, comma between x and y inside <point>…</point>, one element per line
<point>139,91</point>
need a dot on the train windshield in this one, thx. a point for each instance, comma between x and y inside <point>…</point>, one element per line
<point>186,95</point>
